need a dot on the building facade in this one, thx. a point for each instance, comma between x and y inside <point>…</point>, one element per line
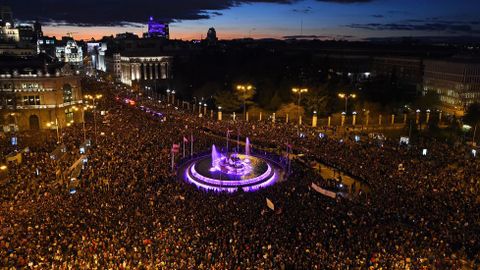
<point>404,70</point>
<point>8,33</point>
<point>35,97</point>
<point>456,81</point>
<point>69,52</point>
<point>96,54</point>
<point>157,29</point>
<point>130,69</point>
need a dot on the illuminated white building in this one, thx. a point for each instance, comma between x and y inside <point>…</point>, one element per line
<point>70,52</point>
<point>456,81</point>
<point>129,68</point>
<point>96,53</point>
<point>9,33</point>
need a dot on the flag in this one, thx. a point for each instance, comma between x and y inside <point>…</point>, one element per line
<point>175,148</point>
<point>185,140</point>
<point>270,204</point>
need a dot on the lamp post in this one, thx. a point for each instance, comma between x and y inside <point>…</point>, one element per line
<point>94,98</point>
<point>173,97</point>
<point>244,89</point>
<point>346,97</point>
<point>299,92</point>
<point>168,96</point>
<point>83,121</point>
<point>55,124</point>
<point>219,113</point>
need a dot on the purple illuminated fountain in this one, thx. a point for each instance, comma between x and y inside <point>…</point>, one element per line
<point>231,171</point>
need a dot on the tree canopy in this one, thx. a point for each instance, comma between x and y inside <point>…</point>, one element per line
<point>472,115</point>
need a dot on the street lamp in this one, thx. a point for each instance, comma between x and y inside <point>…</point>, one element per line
<point>173,97</point>
<point>75,108</point>
<point>94,98</point>
<point>168,96</point>
<point>55,124</point>
<point>244,89</point>
<point>346,97</point>
<point>299,92</point>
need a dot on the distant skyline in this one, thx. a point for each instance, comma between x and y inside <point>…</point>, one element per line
<point>190,19</point>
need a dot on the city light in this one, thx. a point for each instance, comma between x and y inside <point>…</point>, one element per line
<point>244,88</point>
<point>346,97</point>
<point>342,136</point>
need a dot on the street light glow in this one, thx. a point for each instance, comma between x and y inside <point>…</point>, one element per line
<point>299,90</point>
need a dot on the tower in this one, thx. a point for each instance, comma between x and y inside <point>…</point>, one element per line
<point>37,28</point>
<point>212,36</point>
<point>158,29</point>
<point>6,16</point>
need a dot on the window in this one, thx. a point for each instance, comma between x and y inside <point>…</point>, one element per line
<point>67,93</point>
<point>69,115</point>
<point>31,100</point>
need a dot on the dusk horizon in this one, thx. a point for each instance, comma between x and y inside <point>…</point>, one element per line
<point>340,20</point>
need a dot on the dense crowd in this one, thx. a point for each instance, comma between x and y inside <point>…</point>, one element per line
<point>130,211</point>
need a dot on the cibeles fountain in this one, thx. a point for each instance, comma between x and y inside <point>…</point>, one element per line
<point>232,171</point>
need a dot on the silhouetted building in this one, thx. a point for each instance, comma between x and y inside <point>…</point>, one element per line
<point>126,35</point>
<point>401,70</point>
<point>17,49</point>
<point>17,40</point>
<point>212,36</point>
<point>27,33</point>
<point>6,15</point>
<point>37,27</point>
<point>47,45</point>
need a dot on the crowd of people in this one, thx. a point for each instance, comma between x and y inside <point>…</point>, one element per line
<point>131,211</point>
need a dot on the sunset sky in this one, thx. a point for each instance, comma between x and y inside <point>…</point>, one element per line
<point>190,19</point>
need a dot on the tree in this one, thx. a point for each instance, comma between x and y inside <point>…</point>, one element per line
<point>472,115</point>
<point>228,101</point>
<point>429,101</point>
<point>315,101</point>
<point>207,90</point>
<point>292,110</point>
<point>275,102</point>
<point>246,94</point>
